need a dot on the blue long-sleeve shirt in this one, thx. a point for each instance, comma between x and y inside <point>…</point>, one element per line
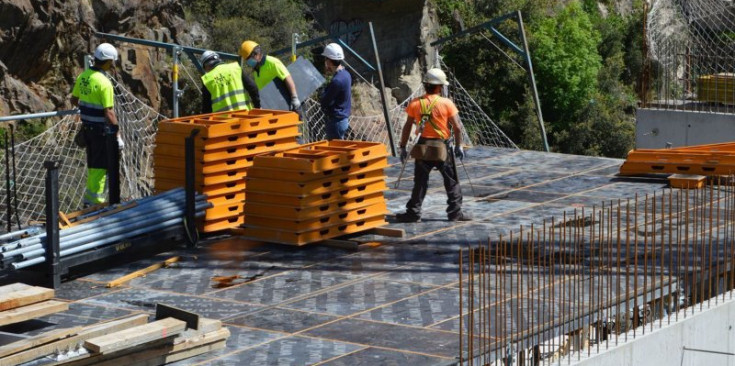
<point>336,99</point>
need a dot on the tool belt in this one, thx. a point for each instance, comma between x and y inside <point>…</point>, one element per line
<point>430,150</point>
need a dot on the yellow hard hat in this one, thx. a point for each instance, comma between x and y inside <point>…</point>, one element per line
<point>246,48</point>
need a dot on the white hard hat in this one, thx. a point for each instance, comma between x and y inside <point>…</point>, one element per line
<point>208,56</point>
<point>435,76</point>
<point>105,51</point>
<point>333,51</point>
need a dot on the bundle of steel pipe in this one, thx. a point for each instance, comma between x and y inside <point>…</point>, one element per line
<point>150,214</point>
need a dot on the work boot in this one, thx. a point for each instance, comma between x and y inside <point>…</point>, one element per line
<point>462,216</point>
<point>407,217</point>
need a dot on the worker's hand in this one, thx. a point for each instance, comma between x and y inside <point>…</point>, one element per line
<point>120,143</point>
<point>459,152</point>
<point>295,103</point>
<point>404,155</point>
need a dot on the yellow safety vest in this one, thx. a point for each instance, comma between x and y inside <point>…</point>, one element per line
<point>426,110</point>
<point>224,83</point>
<point>95,93</point>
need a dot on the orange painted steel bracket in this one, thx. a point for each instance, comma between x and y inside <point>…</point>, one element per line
<point>227,199</point>
<point>301,226</point>
<point>314,187</point>
<point>317,200</point>
<point>223,211</point>
<point>314,212</point>
<point>290,238</point>
<point>222,224</point>
<point>303,176</point>
<point>318,156</point>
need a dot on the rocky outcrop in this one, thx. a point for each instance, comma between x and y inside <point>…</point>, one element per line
<point>43,43</point>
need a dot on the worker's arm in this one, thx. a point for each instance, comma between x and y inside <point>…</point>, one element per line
<point>110,116</point>
<point>252,89</point>
<point>206,101</point>
<point>406,131</point>
<point>291,86</point>
<point>457,129</point>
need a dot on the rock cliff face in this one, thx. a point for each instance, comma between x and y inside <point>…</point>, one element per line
<point>43,43</point>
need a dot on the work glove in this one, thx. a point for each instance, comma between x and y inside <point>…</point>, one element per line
<point>459,152</point>
<point>295,103</point>
<point>404,155</point>
<point>120,143</point>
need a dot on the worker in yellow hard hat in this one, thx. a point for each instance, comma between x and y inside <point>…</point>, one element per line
<point>268,68</point>
<point>225,87</point>
<point>93,93</point>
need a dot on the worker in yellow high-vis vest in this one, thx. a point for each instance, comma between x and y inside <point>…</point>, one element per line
<point>93,93</point>
<point>225,86</point>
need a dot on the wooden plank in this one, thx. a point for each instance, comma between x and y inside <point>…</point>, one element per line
<point>152,354</point>
<point>63,221</point>
<point>168,353</point>
<point>136,335</point>
<point>37,340</point>
<point>140,273</point>
<point>27,312</point>
<point>384,231</point>
<point>87,210</point>
<point>19,294</point>
<point>340,244</point>
<point>88,332</point>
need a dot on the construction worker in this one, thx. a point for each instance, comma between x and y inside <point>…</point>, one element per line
<point>336,101</point>
<point>434,115</point>
<point>93,93</point>
<point>268,68</point>
<point>224,86</point>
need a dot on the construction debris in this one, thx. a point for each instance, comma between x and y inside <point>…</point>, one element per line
<point>142,272</point>
<point>225,146</point>
<point>128,341</point>
<point>316,192</point>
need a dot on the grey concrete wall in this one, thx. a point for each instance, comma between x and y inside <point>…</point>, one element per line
<point>708,330</point>
<point>655,128</point>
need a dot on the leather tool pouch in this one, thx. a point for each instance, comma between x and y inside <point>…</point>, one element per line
<point>79,137</point>
<point>430,150</point>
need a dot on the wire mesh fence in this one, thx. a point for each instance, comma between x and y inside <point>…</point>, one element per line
<point>691,45</point>
<point>138,124</point>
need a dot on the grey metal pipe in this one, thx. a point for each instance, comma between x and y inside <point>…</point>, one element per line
<point>33,230</point>
<point>101,231</point>
<point>154,206</point>
<point>112,239</point>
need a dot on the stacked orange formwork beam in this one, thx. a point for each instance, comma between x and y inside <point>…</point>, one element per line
<point>709,160</point>
<point>225,147</point>
<point>316,192</point>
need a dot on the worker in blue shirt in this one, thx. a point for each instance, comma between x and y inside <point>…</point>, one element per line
<point>336,100</point>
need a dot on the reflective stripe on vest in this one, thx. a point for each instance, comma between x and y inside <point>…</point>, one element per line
<point>224,83</point>
<point>92,85</point>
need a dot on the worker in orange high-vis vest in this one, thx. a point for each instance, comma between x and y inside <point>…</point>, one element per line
<point>433,115</point>
<point>225,86</point>
<point>93,93</point>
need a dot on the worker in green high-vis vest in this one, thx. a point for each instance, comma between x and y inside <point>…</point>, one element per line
<point>225,86</point>
<point>268,68</point>
<point>93,93</point>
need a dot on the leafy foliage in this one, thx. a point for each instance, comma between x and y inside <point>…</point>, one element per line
<point>586,66</point>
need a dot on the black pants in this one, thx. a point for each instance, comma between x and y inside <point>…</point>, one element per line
<point>421,183</point>
<point>95,136</point>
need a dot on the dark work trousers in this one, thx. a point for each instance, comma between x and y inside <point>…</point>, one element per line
<point>421,183</point>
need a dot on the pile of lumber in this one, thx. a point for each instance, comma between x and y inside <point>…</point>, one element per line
<point>316,192</point>
<point>20,302</point>
<point>128,341</point>
<point>225,145</point>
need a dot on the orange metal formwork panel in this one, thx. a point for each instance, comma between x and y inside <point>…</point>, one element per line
<point>206,168</point>
<point>702,162</point>
<point>320,199</point>
<point>300,226</point>
<point>177,175</point>
<point>674,168</point>
<point>301,176</point>
<point>221,224</point>
<point>209,190</point>
<point>724,147</point>
<point>230,122</point>
<point>223,211</point>
<point>314,212</point>
<point>250,149</point>
<point>313,187</point>
<point>227,199</point>
<point>291,238</point>
<point>323,155</point>
<point>231,141</point>
<point>173,162</point>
